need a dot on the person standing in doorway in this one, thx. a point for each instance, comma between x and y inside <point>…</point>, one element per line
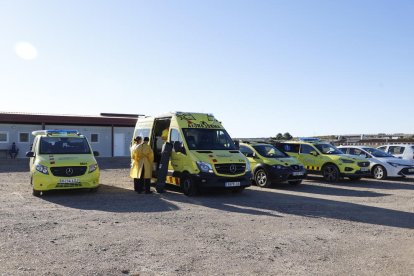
<point>134,163</point>
<point>143,157</point>
<point>13,151</point>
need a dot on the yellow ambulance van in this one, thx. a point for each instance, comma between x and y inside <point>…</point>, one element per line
<point>62,159</point>
<point>203,155</point>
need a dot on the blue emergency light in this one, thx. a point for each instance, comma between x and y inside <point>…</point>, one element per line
<point>56,132</point>
<point>309,139</point>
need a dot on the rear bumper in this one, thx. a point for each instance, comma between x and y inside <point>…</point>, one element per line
<point>208,180</point>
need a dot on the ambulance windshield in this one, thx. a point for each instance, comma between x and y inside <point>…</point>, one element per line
<point>64,145</point>
<point>208,139</point>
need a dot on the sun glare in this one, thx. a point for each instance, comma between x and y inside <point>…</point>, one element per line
<point>25,50</point>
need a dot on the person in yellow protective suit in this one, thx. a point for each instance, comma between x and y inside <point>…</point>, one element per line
<point>143,157</point>
<point>134,163</point>
<point>164,135</point>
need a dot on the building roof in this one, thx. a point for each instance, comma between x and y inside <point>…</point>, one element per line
<point>27,118</point>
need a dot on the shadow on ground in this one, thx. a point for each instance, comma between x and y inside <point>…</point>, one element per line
<point>251,201</point>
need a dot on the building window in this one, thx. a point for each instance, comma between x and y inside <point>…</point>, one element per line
<point>94,138</point>
<point>4,137</point>
<point>24,137</point>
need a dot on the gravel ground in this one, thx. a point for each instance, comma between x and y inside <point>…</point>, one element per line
<point>347,228</point>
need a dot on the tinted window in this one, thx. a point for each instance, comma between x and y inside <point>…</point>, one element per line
<point>328,149</point>
<point>306,149</point>
<point>64,145</point>
<point>94,138</point>
<point>396,150</point>
<point>269,151</point>
<point>344,150</point>
<point>377,152</point>
<point>354,151</point>
<point>246,151</point>
<point>382,148</point>
<point>294,148</point>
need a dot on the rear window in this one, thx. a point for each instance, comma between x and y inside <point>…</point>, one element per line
<point>294,148</point>
<point>396,149</point>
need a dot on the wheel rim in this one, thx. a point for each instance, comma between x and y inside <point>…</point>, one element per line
<point>378,173</point>
<point>330,173</point>
<point>261,178</point>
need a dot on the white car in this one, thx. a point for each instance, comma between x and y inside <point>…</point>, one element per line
<point>403,151</point>
<point>382,164</point>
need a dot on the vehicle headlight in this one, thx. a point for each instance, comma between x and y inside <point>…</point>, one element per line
<point>93,167</point>
<point>205,167</point>
<point>346,161</point>
<point>42,169</point>
<point>248,167</point>
<point>395,164</point>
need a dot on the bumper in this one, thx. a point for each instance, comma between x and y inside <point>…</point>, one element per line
<point>280,175</point>
<point>207,180</point>
<point>43,182</point>
<point>358,173</point>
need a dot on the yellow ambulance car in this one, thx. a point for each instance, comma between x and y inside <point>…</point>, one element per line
<point>203,156</point>
<point>62,159</point>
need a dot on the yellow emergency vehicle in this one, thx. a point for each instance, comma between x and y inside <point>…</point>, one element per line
<point>203,155</point>
<point>62,159</point>
<point>323,158</point>
<point>270,165</point>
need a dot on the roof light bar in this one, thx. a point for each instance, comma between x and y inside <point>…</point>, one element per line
<point>56,132</point>
<point>309,139</point>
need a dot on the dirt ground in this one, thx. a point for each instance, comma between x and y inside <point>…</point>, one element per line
<point>346,228</point>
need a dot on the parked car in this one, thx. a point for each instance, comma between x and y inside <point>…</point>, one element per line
<point>270,165</point>
<point>403,151</point>
<point>382,164</point>
<point>323,158</point>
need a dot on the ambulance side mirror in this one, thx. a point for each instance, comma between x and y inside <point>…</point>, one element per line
<point>30,154</point>
<point>179,147</point>
<point>95,153</point>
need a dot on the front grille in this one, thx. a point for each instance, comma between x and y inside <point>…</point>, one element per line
<point>230,169</point>
<point>68,185</point>
<point>68,171</point>
<point>363,164</point>
<point>295,167</point>
<point>406,171</point>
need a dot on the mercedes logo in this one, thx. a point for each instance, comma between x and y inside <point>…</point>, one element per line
<point>69,171</point>
<point>233,168</point>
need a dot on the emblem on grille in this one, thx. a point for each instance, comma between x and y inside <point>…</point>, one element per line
<point>233,168</point>
<point>69,171</point>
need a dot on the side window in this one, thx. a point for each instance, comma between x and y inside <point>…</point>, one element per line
<point>382,148</point>
<point>24,137</point>
<point>94,138</point>
<point>345,150</point>
<point>294,148</point>
<point>143,132</point>
<point>4,137</point>
<point>306,149</point>
<point>246,151</point>
<point>396,150</point>
<point>175,135</point>
<point>358,152</point>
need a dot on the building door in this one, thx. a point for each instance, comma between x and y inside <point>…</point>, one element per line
<point>119,144</point>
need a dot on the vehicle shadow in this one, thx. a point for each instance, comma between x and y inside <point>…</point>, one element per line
<point>258,202</point>
<point>109,198</point>
<point>387,184</point>
<point>328,190</point>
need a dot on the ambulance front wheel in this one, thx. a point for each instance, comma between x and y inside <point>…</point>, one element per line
<point>37,193</point>
<point>189,186</point>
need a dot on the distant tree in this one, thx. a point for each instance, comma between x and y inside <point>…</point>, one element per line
<point>279,136</point>
<point>287,136</point>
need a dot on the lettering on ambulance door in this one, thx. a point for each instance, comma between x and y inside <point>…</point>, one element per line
<point>177,158</point>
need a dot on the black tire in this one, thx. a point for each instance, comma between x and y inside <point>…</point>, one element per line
<point>354,178</point>
<point>330,173</point>
<point>379,172</point>
<point>188,186</point>
<point>295,182</point>
<point>37,193</point>
<point>261,178</point>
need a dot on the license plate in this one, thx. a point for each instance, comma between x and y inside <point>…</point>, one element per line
<point>365,169</point>
<point>297,173</point>
<point>411,170</point>
<point>69,180</point>
<point>232,184</point>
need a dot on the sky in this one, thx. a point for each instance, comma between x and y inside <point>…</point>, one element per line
<point>311,67</point>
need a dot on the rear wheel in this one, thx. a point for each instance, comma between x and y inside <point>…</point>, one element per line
<point>379,172</point>
<point>295,182</point>
<point>330,173</point>
<point>261,178</point>
<point>189,187</point>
